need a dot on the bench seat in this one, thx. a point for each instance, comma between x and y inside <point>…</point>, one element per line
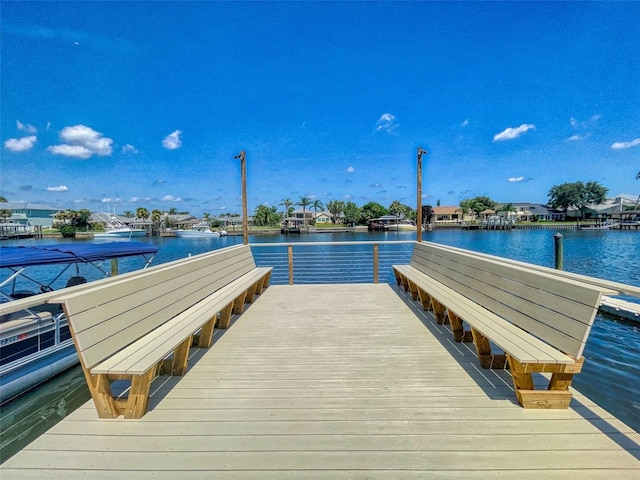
<point>523,346</point>
<point>146,352</point>
<point>139,326</point>
<point>540,321</point>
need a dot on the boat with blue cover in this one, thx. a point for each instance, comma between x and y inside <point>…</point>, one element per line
<point>35,342</point>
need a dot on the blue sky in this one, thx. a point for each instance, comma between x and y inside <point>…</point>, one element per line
<point>126,104</point>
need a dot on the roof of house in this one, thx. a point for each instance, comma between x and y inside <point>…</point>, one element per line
<point>446,210</point>
<point>27,206</point>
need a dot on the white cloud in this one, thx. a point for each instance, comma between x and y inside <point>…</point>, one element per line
<point>350,170</point>
<point>128,148</point>
<point>25,127</point>
<point>20,144</point>
<point>60,188</point>
<point>511,133</point>
<point>173,140</point>
<point>465,123</point>
<point>576,137</point>
<point>171,198</point>
<point>516,179</point>
<point>625,145</point>
<point>134,199</point>
<point>75,151</point>
<point>386,123</point>
<point>82,142</point>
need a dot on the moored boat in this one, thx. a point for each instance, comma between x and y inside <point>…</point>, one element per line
<point>35,343</point>
<point>199,230</point>
<point>606,225</point>
<point>114,228</point>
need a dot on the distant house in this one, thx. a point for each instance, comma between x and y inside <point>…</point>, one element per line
<point>529,212</point>
<point>301,214</point>
<point>611,206</point>
<point>37,214</point>
<point>447,214</point>
<point>322,217</point>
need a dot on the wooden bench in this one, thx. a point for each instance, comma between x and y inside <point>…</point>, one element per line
<point>541,321</point>
<point>143,325</point>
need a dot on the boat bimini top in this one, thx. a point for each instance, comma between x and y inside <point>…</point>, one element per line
<point>16,259</point>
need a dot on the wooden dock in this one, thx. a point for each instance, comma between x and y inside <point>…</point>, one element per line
<point>335,382</point>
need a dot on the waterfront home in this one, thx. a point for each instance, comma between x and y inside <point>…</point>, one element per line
<point>322,217</point>
<point>37,214</point>
<point>529,212</point>
<point>447,214</point>
<point>611,206</point>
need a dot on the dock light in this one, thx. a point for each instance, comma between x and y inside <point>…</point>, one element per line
<point>421,151</point>
<point>245,222</point>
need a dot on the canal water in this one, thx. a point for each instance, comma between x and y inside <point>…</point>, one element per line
<point>610,377</point>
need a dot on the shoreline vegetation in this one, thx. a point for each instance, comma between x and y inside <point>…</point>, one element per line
<point>332,228</point>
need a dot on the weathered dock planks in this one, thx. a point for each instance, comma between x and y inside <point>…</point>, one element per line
<point>335,381</point>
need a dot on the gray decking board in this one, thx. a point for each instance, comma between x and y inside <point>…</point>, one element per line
<point>346,381</point>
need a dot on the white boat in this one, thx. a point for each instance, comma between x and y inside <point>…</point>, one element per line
<point>114,228</point>
<point>200,230</point>
<point>606,225</point>
<point>35,342</point>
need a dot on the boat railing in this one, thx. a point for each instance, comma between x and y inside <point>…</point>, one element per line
<point>332,262</point>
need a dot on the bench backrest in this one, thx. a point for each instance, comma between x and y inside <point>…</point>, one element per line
<point>558,311</point>
<point>110,316</point>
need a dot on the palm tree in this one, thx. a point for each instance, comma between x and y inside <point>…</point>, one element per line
<point>142,213</point>
<point>5,213</point>
<point>304,202</point>
<point>288,204</point>
<point>316,205</point>
<point>128,214</point>
<point>156,217</point>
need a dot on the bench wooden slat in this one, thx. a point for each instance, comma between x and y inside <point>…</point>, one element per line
<point>122,314</point>
<point>135,327</point>
<point>504,334</point>
<point>607,287</point>
<point>564,287</point>
<point>532,308</point>
<point>540,320</point>
<point>136,358</point>
<point>564,332</point>
<point>90,298</point>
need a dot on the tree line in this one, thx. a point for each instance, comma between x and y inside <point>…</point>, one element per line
<point>563,197</point>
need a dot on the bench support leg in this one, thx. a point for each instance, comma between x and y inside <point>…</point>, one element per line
<point>251,292</point>
<point>238,304</point>
<point>424,299</point>
<point>139,395</point>
<point>225,316</point>
<point>459,335</point>
<point>100,388</point>
<point>483,348</point>
<point>181,357</point>
<point>413,288</point>
<point>264,283</point>
<point>206,334</point>
<point>557,395</point>
<point>438,310</point>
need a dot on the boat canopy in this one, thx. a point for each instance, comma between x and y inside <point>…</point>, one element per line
<point>24,256</point>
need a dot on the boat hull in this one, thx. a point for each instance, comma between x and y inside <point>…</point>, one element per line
<point>192,234</point>
<point>120,234</point>
<point>36,369</point>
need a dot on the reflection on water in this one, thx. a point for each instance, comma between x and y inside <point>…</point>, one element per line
<point>610,377</point>
<point>25,418</point>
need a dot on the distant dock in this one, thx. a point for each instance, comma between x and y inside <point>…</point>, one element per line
<point>621,308</point>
